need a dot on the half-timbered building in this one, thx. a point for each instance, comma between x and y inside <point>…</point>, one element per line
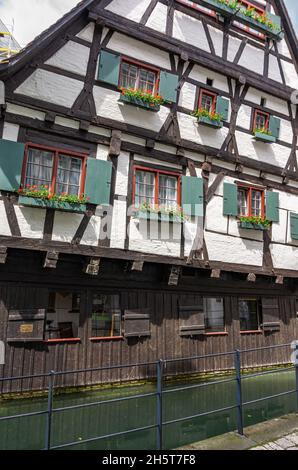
<point>149,187</point>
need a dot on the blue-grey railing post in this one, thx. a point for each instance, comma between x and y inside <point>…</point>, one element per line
<point>239,392</point>
<point>159,383</point>
<point>296,372</point>
<point>49,411</point>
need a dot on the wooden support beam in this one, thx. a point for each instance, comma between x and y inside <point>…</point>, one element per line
<point>137,265</point>
<point>50,117</point>
<point>84,126</point>
<point>92,267</point>
<point>51,259</point>
<point>251,277</point>
<point>3,254</point>
<point>174,276</point>
<point>215,273</point>
<point>115,144</point>
<point>150,143</point>
<point>279,280</point>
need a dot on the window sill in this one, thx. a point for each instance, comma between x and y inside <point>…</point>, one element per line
<point>215,333</point>
<point>63,340</point>
<point>44,204</point>
<point>252,226</point>
<point>267,139</point>
<point>106,338</point>
<point>251,332</point>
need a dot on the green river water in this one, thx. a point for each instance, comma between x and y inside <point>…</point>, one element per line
<point>99,420</point>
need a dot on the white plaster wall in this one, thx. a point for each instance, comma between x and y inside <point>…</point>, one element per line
<point>10,131</point>
<point>92,232</point>
<point>65,226</point>
<point>274,72</point>
<point>252,55</point>
<point>191,130</point>
<point>132,9</point>
<point>102,152</point>
<point>190,230</point>
<point>65,122</point>
<point>139,50</point>
<point>188,96</point>
<point>286,132</point>
<point>234,250</point>
<point>87,33</point>
<point>217,39</point>
<point>215,220</point>
<point>158,18</point>
<point>284,257</point>
<point>290,74</point>
<point>27,112</point>
<point>283,48</point>
<point>122,174</point>
<point>138,240</point>
<point>244,116</point>
<point>279,229</point>
<point>118,231</point>
<point>190,30</point>
<point>72,57</point>
<point>288,201</point>
<point>235,231</point>
<point>4,226</point>
<point>107,105</point>
<point>51,87</point>
<point>31,221</point>
<point>272,102</point>
<point>273,154</point>
<point>201,74</point>
<point>233,48</point>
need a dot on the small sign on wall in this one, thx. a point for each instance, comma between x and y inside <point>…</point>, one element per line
<point>2,353</point>
<point>26,328</point>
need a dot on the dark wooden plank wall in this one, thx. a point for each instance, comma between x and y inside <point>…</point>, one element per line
<point>17,291</point>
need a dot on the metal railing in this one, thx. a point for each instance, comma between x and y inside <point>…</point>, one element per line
<point>159,393</point>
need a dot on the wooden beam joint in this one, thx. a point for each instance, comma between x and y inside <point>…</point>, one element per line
<point>92,267</point>
<point>51,259</point>
<point>3,254</point>
<point>174,275</point>
<point>115,144</point>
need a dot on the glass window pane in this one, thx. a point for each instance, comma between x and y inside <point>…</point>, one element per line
<point>167,196</point>
<point>214,314</point>
<point>39,168</point>
<point>249,314</point>
<point>256,203</point>
<point>147,80</point>
<point>145,188</point>
<point>242,202</point>
<point>68,175</point>
<point>63,313</point>
<point>206,102</point>
<point>128,75</point>
<point>261,121</point>
<point>106,316</point>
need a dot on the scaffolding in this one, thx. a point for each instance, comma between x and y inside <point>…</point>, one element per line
<point>8,45</point>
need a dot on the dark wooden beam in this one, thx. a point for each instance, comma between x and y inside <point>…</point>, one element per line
<point>115,144</point>
<point>3,254</point>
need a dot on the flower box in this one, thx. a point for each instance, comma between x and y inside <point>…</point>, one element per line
<point>139,103</point>
<point>209,122</point>
<point>252,225</point>
<point>260,136</point>
<point>158,216</point>
<point>47,203</point>
<point>226,11</point>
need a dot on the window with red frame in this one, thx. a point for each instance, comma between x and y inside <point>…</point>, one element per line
<point>251,202</point>
<point>261,120</point>
<point>156,188</point>
<point>207,100</point>
<point>195,6</point>
<point>138,77</point>
<point>59,171</point>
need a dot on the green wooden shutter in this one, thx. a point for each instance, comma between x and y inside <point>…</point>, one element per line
<point>109,68</point>
<point>11,162</point>
<point>168,86</point>
<point>230,203</point>
<point>294,226</point>
<point>222,107</point>
<point>192,196</point>
<point>274,126</point>
<point>272,206</point>
<point>98,181</point>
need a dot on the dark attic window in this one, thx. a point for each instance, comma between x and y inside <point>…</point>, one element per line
<point>209,82</point>
<point>263,102</point>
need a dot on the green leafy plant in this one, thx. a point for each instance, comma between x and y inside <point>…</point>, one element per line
<point>262,130</point>
<point>176,212</point>
<point>202,112</point>
<point>256,220</point>
<point>43,192</point>
<point>251,13</point>
<point>143,95</point>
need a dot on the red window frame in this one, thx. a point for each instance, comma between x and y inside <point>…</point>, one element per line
<point>263,113</point>
<point>198,7</point>
<point>141,65</point>
<point>213,95</point>
<point>156,191</point>
<point>56,152</point>
<point>249,190</point>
